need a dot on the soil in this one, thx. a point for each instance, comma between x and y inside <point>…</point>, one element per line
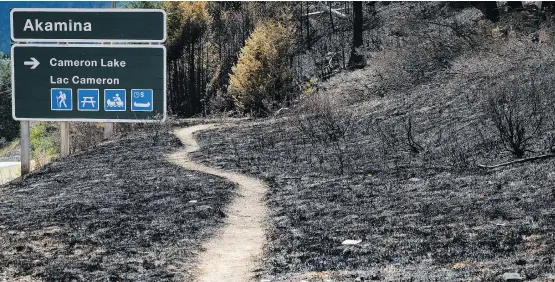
<point>233,254</point>
<point>117,212</point>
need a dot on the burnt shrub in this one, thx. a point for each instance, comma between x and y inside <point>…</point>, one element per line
<point>326,127</point>
<point>85,135</point>
<point>519,111</point>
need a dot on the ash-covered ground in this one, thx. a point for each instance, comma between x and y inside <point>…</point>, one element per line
<point>117,212</point>
<point>415,225</point>
<point>390,155</point>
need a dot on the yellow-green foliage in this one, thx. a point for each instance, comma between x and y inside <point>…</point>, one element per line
<point>41,142</point>
<point>192,15</point>
<point>310,86</point>
<point>263,71</point>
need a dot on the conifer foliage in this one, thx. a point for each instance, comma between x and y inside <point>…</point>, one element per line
<point>262,77</point>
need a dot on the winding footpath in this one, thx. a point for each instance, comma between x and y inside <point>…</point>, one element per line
<point>234,252</point>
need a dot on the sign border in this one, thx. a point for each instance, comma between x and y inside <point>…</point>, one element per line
<point>88,46</point>
<point>86,10</point>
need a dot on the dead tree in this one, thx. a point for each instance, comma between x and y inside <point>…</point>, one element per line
<point>514,5</point>
<point>548,5</point>
<point>488,8</point>
<point>356,60</point>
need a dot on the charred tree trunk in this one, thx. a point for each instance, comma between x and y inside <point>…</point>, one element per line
<point>308,39</point>
<point>513,5</point>
<point>491,11</point>
<point>193,99</point>
<point>357,60</point>
<point>548,5</point>
<point>357,24</point>
<point>488,8</point>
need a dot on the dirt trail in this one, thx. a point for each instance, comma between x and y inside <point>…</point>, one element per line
<point>232,254</point>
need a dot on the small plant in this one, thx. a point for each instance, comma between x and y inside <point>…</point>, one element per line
<point>400,140</point>
<point>159,127</point>
<point>43,147</point>
<point>452,151</point>
<point>236,152</point>
<point>310,86</point>
<point>412,145</point>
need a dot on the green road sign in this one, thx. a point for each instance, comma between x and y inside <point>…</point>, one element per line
<point>105,83</point>
<point>88,25</point>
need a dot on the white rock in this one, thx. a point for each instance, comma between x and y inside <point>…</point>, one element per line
<point>351,242</point>
<point>193,201</point>
<point>511,277</point>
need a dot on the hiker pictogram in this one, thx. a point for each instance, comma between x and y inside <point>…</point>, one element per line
<point>60,99</point>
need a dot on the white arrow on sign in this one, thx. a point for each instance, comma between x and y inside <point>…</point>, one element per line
<point>33,63</point>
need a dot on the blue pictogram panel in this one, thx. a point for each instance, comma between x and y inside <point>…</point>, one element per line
<point>87,99</point>
<point>114,100</point>
<point>141,100</point>
<point>60,99</point>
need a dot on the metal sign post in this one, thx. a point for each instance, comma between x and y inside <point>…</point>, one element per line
<point>25,142</point>
<point>64,135</point>
<point>109,126</point>
<point>64,139</point>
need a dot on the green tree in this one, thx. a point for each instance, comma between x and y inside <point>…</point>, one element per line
<point>9,128</point>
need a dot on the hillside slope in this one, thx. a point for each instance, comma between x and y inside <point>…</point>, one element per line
<point>117,212</point>
<point>389,155</point>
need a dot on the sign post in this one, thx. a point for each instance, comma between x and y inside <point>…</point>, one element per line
<point>109,126</point>
<point>64,133</point>
<point>108,130</point>
<point>25,142</point>
<point>64,139</point>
